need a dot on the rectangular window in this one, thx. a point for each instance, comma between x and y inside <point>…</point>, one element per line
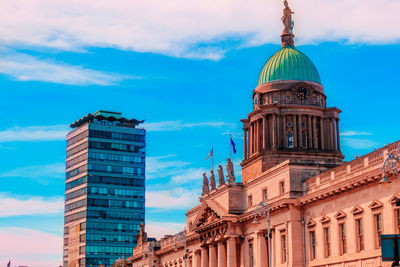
<point>250,201</point>
<point>282,187</point>
<point>312,245</point>
<point>288,99</point>
<point>251,254</point>
<point>378,229</point>
<point>327,244</point>
<point>360,234</point>
<point>283,247</point>
<point>265,195</point>
<point>342,238</point>
<point>398,220</point>
<point>275,99</point>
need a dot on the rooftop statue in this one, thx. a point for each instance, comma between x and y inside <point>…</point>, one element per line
<point>287,18</point>
<point>221,178</point>
<point>287,34</point>
<point>229,170</point>
<point>206,188</point>
<point>212,180</point>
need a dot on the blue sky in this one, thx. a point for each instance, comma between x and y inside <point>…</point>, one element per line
<point>188,69</point>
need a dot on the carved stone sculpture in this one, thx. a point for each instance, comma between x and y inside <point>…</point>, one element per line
<point>287,18</point>
<point>221,178</point>
<point>206,188</point>
<point>212,180</point>
<point>229,169</point>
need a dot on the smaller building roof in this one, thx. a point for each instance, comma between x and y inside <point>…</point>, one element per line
<point>105,115</point>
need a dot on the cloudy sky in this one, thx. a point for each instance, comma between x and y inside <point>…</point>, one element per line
<point>188,68</point>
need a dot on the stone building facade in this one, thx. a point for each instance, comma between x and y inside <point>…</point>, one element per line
<point>323,211</point>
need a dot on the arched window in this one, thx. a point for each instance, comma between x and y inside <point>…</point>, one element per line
<point>304,140</point>
<point>290,139</point>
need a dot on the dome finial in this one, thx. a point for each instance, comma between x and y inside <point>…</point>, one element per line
<point>287,34</point>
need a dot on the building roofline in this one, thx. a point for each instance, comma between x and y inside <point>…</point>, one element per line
<point>105,115</point>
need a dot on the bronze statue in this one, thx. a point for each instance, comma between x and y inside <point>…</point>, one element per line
<point>229,170</point>
<point>212,180</point>
<point>287,18</point>
<point>221,178</point>
<point>206,188</point>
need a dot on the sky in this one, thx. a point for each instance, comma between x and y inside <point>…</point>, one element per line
<point>188,68</point>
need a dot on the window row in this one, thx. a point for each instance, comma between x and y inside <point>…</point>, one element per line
<point>342,234</point>
<point>77,138</point>
<point>104,180</point>
<point>76,171</point>
<point>129,216</point>
<point>116,157</point>
<point>106,203</point>
<point>116,169</point>
<point>117,227</point>
<point>94,250</point>
<point>76,160</point>
<point>115,135</point>
<point>116,147</point>
<point>111,238</point>
<point>116,192</point>
<point>77,149</point>
<point>99,261</point>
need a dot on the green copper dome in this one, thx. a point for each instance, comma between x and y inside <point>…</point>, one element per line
<point>289,64</point>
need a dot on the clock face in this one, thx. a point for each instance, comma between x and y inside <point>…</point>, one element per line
<point>303,93</point>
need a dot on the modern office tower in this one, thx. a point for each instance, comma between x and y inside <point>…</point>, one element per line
<point>104,189</point>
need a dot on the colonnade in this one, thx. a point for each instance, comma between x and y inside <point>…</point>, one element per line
<point>271,131</point>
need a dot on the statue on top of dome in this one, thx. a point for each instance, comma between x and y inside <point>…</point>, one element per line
<point>287,18</point>
<point>287,34</point>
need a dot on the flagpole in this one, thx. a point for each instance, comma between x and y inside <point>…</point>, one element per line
<point>230,146</point>
<point>212,159</point>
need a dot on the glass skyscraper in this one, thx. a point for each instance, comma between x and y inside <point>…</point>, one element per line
<point>104,189</point>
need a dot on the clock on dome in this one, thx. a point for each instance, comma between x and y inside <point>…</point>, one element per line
<point>303,93</point>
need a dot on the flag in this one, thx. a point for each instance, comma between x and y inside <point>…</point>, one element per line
<point>9,264</point>
<point>233,145</point>
<point>211,153</point>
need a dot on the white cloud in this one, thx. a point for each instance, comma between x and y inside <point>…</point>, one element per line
<point>27,247</point>
<point>354,133</point>
<point>163,166</point>
<point>360,143</point>
<point>30,206</point>
<point>159,229</point>
<point>188,175</point>
<point>175,199</point>
<point>28,68</point>
<point>55,170</point>
<point>189,28</point>
<point>179,125</point>
<point>34,133</point>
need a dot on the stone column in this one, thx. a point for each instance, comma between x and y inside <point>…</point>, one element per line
<point>212,256</point>
<point>266,132</point>
<point>300,131</point>
<point>322,133</point>
<point>263,132</point>
<point>242,255</point>
<point>338,134</point>
<point>334,147</point>
<point>261,250</point>
<point>314,119</point>
<point>274,131</point>
<point>250,139</point>
<point>295,131</point>
<point>285,145</point>
<point>309,135</point>
<point>245,143</point>
<point>221,255</point>
<point>196,259</point>
<point>231,252</point>
<point>189,262</point>
<point>204,256</point>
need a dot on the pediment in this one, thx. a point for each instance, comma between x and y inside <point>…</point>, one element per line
<point>393,199</point>
<point>357,210</point>
<point>311,223</point>
<point>325,219</point>
<point>376,204</point>
<point>209,212</point>
<point>340,215</point>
